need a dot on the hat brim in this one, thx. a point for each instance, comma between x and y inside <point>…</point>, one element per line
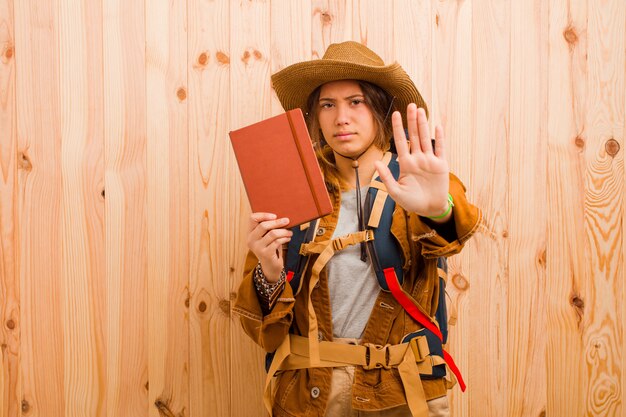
<point>295,83</point>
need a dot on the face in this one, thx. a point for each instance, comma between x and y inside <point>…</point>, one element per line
<point>346,121</point>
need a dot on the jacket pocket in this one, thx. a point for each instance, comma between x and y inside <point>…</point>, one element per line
<point>285,382</point>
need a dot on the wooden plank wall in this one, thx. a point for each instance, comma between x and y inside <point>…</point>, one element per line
<point>123,217</point>
<point>124,188</point>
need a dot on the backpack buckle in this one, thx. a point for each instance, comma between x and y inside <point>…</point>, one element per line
<point>338,244</point>
<point>420,348</point>
<point>376,356</point>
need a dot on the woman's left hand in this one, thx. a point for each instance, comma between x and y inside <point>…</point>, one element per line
<point>423,184</point>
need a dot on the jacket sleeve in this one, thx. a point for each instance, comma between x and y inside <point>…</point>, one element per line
<point>466,218</point>
<point>268,331</point>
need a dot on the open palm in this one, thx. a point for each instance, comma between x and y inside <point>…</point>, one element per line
<point>423,183</point>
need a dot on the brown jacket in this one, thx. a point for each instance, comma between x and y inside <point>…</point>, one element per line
<point>305,392</point>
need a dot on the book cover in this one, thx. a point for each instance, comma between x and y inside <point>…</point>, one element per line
<point>279,169</point>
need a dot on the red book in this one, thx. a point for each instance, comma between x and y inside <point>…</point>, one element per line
<point>279,169</point>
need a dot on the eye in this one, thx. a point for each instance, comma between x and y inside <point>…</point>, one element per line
<point>357,101</point>
<point>326,105</point>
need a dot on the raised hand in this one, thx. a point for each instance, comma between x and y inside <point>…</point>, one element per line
<point>423,184</point>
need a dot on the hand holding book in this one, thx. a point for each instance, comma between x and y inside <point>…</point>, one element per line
<point>266,235</point>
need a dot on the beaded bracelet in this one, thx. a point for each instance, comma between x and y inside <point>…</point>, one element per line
<point>268,291</point>
<point>450,205</point>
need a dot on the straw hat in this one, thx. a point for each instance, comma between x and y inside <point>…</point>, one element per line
<point>345,61</point>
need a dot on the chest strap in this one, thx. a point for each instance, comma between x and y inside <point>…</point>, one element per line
<point>338,243</point>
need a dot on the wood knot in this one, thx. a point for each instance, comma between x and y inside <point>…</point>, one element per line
<point>543,413</point>
<point>203,59</point>
<point>246,57</point>
<point>8,52</point>
<point>326,18</point>
<point>187,302</point>
<point>202,306</point>
<point>257,55</point>
<point>181,94</point>
<point>10,324</point>
<point>541,258</point>
<point>612,147</point>
<point>25,406</point>
<point>222,58</point>
<point>225,306</point>
<point>579,308</point>
<point>577,302</point>
<point>570,36</point>
<point>102,193</point>
<point>437,19</point>
<point>147,385</point>
<point>232,296</point>
<point>579,142</point>
<point>505,234</point>
<point>460,282</point>
<point>232,269</point>
<point>163,408</point>
<point>24,162</point>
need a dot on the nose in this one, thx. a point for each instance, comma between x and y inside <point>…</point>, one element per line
<point>342,116</point>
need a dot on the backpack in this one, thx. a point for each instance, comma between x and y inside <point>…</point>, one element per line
<point>386,257</point>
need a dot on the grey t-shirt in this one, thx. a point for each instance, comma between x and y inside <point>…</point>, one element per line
<point>352,283</point>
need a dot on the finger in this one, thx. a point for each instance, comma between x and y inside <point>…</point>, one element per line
<point>411,121</point>
<point>399,137</point>
<point>258,217</point>
<point>440,145</point>
<point>265,226</point>
<point>277,246</point>
<point>274,235</point>
<point>387,178</point>
<point>274,250</point>
<point>424,131</point>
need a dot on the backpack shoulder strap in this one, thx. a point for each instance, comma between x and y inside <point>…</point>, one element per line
<point>295,263</point>
<point>379,208</point>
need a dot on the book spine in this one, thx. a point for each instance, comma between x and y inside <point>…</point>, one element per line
<point>307,169</point>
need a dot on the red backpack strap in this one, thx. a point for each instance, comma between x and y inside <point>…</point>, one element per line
<point>412,307</point>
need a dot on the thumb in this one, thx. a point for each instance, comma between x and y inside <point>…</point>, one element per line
<point>387,177</point>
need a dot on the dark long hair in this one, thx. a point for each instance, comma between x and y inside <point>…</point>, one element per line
<point>378,101</point>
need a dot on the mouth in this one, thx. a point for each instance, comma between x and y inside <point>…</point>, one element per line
<point>343,135</point>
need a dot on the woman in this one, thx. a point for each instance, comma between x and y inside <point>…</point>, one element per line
<point>343,346</point>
